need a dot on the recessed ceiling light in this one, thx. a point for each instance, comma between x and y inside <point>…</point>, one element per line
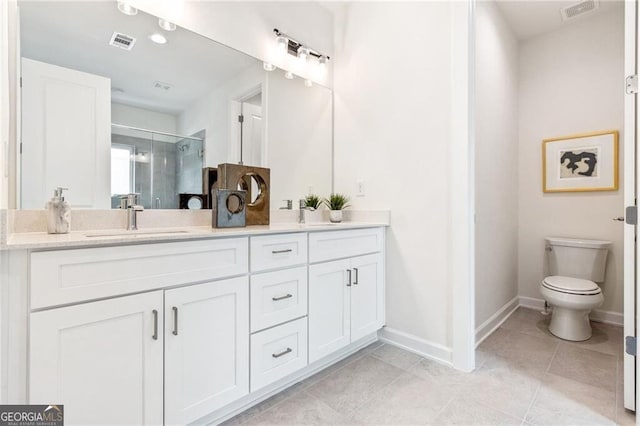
<point>158,38</point>
<point>126,8</point>
<point>166,25</point>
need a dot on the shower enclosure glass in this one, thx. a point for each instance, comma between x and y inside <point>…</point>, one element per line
<point>157,165</point>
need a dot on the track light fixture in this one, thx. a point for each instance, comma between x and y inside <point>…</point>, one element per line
<point>288,44</point>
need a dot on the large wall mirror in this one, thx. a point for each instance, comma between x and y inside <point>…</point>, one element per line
<point>115,103</point>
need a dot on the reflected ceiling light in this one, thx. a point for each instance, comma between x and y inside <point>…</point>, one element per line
<point>288,75</point>
<point>308,83</point>
<point>158,38</point>
<point>268,66</point>
<point>126,8</point>
<point>166,25</point>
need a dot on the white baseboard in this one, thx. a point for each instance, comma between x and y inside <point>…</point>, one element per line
<point>417,345</point>
<point>598,315</point>
<point>489,326</point>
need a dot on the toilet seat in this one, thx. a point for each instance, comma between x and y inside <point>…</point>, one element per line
<point>571,285</point>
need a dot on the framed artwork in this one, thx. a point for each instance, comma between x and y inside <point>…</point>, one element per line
<point>578,163</point>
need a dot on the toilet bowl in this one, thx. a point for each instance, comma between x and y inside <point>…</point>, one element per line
<point>572,300</point>
<point>576,266</point>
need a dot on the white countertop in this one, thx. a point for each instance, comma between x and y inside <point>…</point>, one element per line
<point>106,237</point>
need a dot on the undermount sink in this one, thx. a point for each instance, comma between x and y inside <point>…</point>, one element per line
<point>132,233</point>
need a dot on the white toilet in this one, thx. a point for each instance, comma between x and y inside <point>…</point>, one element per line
<point>575,266</point>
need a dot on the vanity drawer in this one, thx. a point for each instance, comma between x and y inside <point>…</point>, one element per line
<point>331,245</point>
<point>278,251</point>
<point>68,276</point>
<point>278,352</point>
<point>278,297</point>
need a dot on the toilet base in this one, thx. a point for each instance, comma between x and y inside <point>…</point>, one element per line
<point>570,324</point>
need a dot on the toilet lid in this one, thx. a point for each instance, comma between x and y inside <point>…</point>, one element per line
<point>571,285</point>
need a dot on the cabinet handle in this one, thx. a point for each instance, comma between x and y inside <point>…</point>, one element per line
<point>281,251</point>
<point>355,282</point>
<point>175,321</point>
<point>155,324</point>
<point>287,296</point>
<point>349,276</point>
<point>286,351</point>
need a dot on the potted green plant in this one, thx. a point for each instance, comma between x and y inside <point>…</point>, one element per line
<point>336,203</point>
<point>312,202</point>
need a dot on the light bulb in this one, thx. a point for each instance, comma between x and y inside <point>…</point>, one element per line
<point>126,8</point>
<point>282,45</point>
<point>308,83</point>
<point>268,66</point>
<point>158,38</point>
<point>322,64</point>
<point>303,54</point>
<point>166,25</point>
<point>288,75</point>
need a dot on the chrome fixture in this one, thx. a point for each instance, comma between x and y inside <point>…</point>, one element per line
<point>129,202</point>
<point>301,217</point>
<point>289,205</point>
<point>290,45</point>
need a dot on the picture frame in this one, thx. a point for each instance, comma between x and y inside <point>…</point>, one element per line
<point>580,163</point>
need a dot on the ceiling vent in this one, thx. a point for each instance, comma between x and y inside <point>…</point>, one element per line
<point>122,41</point>
<point>578,9</point>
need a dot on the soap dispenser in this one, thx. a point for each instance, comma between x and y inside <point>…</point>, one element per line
<point>58,213</point>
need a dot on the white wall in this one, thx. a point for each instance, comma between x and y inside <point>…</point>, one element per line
<point>394,79</point>
<point>248,26</point>
<point>496,154</point>
<point>298,138</point>
<point>213,112</point>
<point>143,118</point>
<point>571,81</point>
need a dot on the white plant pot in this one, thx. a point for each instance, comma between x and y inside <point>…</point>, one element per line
<point>335,216</point>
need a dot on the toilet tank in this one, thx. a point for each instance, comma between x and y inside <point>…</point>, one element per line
<point>577,258</point>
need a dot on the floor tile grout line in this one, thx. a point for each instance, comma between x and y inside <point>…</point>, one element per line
<point>533,401</point>
<point>553,357</point>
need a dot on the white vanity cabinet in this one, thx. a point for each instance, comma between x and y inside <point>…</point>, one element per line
<point>194,331</point>
<point>102,360</point>
<point>346,296</point>
<point>206,348</point>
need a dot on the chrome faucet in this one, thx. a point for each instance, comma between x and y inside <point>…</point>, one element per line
<point>303,208</point>
<point>289,205</point>
<point>129,202</point>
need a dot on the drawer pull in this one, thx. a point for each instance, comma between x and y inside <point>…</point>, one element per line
<point>349,276</point>
<point>288,350</point>
<point>287,296</point>
<point>355,282</point>
<point>155,325</point>
<point>175,321</point>
<point>281,251</point>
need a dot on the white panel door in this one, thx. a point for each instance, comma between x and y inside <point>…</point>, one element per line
<point>367,295</point>
<point>630,252</point>
<point>206,348</point>
<point>66,136</point>
<point>329,308</point>
<point>102,360</point>
<point>253,147</point>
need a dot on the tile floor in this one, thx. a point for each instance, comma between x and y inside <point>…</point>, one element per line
<point>524,376</point>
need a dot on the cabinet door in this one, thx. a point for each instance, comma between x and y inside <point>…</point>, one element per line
<point>102,360</point>
<point>367,295</point>
<point>207,348</point>
<point>329,308</point>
